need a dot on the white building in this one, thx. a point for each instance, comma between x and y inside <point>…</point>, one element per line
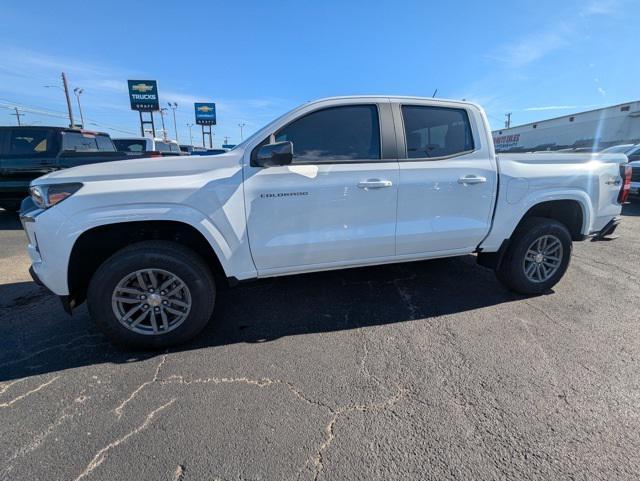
<point>593,129</point>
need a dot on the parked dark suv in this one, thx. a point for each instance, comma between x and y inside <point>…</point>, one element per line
<point>29,152</point>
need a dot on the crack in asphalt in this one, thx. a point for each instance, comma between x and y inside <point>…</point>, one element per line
<point>118,410</point>
<point>37,441</point>
<point>28,393</point>
<point>5,386</point>
<point>316,460</point>
<point>101,455</point>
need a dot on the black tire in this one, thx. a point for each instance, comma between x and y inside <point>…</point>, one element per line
<point>511,271</point>
<point>168,256</point>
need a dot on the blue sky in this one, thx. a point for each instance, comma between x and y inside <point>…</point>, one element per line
<point>256,60</point>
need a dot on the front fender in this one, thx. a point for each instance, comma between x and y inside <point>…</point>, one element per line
<point>60,234</point>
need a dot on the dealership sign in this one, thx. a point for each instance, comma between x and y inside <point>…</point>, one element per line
<point>205,113</point>
<point>143,95</point>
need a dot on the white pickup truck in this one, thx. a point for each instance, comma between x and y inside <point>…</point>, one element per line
<point>335,183</point>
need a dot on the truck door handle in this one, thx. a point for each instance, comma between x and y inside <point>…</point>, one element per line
<point>472,179</point>
<point>613,182</point>
<point>374,184</point>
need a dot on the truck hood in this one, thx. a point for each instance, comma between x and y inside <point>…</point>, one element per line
<point>142,168</point>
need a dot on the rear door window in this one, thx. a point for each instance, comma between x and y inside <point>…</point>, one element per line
<point>432,132</point>
<point>28,142</point>
<point>130,145</point>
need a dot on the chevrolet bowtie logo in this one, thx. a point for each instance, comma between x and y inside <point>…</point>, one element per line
<point>142,87</point>
<point>205,108</point>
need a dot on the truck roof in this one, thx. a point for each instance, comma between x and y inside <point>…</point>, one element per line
<point>395,97</point>
<point>54,128</point>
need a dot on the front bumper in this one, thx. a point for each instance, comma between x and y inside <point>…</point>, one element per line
<point>48,239</point>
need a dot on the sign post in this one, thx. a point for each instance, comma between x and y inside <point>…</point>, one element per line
<point>143,96</point>
<point>206,117</point>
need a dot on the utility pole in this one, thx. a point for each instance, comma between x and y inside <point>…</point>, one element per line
<point>226,140</point>
<point>66,94</point>
<point>164,131</point>
<point>190,134</point>
<point>173,107</point>
<point>18,115</point>
<point>434,93</point>
<point>78,91</point>
<point>507,122</point>
<point>241,125</point>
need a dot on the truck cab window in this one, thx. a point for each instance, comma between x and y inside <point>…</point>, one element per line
<point>28,142</point>
<point>436,131</point>
<point>334,134</point>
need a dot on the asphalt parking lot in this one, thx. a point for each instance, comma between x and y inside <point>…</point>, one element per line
<point>427,370</point>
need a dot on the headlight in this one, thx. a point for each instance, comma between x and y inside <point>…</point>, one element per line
<point>45,196</point>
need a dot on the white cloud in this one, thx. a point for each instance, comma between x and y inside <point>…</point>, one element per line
<point>602,91</point>
<point>600,7</point>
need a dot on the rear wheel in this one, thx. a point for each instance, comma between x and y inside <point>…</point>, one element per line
<point>152,294</point>
<point>537,257</point>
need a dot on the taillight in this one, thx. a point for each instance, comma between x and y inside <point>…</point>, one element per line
<point>155,153</point>
<point>625,173</point>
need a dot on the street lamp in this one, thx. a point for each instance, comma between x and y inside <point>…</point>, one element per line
<point>78,91</point>
<point>173,106</point>
<point>190,134</point>
<point>163,111</point>
<point>241,125</point>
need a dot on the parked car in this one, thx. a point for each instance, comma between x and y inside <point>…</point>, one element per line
<point>191,149</point>
<point>335,183</point>
<point>29,152</point>
<point>148,147</point>
<point>632,151</point>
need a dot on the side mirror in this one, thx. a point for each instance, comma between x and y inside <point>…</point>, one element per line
<point>271,155</point>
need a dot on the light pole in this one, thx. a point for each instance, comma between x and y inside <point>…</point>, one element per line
<point>78,91</point>
<point>190,134</point>
<point>66,94</point>
<point>173,106</point>
<point>241,125</point>
<point>164,131</point>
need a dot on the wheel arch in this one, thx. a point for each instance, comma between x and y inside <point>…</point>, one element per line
<point>99,242</point>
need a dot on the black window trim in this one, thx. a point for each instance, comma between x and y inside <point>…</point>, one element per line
<point>404,156</point>
<point>331,162</point>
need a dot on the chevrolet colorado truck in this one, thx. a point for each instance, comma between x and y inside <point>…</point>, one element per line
<point>28,152</point>
<point>335,183</point>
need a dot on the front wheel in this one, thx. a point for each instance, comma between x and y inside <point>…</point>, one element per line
<point>152,294</point>
<point>537,257</point>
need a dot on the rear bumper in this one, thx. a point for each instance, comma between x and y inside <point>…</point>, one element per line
<point>607,230</point>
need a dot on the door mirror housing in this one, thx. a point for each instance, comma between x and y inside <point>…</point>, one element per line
<point>271,155</point>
